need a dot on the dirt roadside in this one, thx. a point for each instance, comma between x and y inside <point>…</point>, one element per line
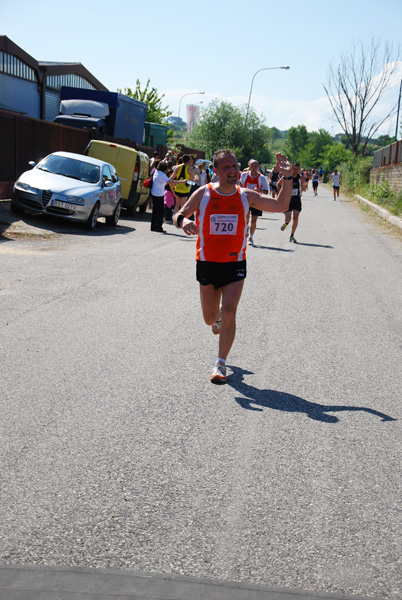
<point>14,226</point>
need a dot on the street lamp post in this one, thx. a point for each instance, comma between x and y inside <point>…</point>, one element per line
<point>189,94</point>
<point>249,98</point>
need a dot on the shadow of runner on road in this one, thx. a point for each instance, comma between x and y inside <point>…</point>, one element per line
<point>314,245</point>
<point>273,248</point>
<point>256,399</point>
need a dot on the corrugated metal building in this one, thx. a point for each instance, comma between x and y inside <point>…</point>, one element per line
<point>32,88</point>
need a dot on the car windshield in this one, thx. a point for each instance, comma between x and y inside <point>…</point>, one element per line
<point>70,167</point>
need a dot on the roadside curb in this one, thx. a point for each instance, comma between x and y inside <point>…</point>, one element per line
<point>385,214</point>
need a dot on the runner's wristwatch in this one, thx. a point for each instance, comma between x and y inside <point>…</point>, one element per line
<point>179,220</point>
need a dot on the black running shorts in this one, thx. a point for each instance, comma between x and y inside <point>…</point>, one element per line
<point>295,204</point>
<point>256,212</point>
<point>220,274</point>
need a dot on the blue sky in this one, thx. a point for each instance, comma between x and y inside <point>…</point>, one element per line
<point>214,47</point>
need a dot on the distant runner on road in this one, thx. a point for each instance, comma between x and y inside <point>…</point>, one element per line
<point>253,180</point>
<point>295,205</point>
<point>315,180</point>
<point>336,179</point>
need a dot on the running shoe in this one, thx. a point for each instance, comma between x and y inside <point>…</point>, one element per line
<point>251,241</point>
<point>219,373</point>
<point>217,326</point>
<point>284,226</point>
<point>292,239</point>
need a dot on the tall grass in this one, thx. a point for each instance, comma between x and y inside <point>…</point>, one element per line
<point>356,180</point>
<point>385,196</point>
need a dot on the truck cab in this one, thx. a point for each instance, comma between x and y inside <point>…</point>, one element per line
<point>84,114</point>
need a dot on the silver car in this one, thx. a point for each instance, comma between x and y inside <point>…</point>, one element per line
<point>72,186</point>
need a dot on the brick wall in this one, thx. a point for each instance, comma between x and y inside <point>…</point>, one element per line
<point>392,172</point>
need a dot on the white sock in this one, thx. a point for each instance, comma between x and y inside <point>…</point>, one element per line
<point>221,360</point>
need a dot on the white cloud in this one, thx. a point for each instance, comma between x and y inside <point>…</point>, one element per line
<point>283,114</point>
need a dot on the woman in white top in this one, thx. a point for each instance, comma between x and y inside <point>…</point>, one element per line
<point>159,180</point>
<point>336,182</point>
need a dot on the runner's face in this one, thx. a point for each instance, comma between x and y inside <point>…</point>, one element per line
<point>296,171</point>
<point>254,168</point>
<point>228,169</point>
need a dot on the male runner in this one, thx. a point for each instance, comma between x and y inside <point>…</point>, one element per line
<point>221,226</point>
<point>274,177</point>
<point>321,174</point>
<point>336,178</point>
<point>295,205</point>
<point>253,180</point>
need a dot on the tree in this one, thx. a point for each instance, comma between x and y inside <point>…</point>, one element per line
<point>296,143</point>
<point>383,140</point>
<point>156,113</point>
<point>275,133</point>
<point>355,87</point>
<point>333,156</point>
<point>222,126</point>
<point>318,140</point>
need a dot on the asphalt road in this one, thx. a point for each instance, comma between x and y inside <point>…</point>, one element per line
<point>116,450</point>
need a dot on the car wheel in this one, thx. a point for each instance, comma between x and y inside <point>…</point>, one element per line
<point>114,219</point>
<point>16,209</point>
<point>93,217</point>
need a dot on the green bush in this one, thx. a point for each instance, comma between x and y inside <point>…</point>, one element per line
<point>356,174</point>
<point>385,196</point>
<point>356,180</point>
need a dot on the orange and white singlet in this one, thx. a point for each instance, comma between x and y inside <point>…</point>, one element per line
<point>258,183</point>
<point>222,223</point>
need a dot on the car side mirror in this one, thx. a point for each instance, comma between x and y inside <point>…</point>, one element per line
<point>108,183</point>
<point>32,164</point>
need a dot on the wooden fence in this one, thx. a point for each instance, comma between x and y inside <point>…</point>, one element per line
<point>23,139</point>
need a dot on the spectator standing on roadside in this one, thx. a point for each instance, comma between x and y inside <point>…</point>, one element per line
<point>159,180</point>
<point>168,199</point>
<point>183,172</point>
<point>155,157</point>
<point>203,174</point>
<point>155,163</point>
<point>194,185</point>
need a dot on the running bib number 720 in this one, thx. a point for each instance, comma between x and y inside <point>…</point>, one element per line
<point>223,224</point>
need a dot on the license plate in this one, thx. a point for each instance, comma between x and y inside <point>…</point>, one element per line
<point>65,205</point>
